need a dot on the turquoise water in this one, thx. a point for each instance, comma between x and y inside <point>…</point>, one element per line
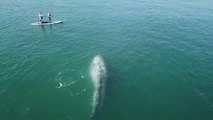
<point>158,56</point>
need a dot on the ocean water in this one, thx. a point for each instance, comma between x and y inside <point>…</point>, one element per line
<point>158,55</point>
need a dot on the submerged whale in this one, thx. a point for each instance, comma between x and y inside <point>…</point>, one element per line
<point>98,76</point>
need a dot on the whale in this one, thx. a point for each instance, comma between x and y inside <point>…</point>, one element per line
<point>98,75</point>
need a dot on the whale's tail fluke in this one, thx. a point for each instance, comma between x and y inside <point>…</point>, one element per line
<point>98,75</point>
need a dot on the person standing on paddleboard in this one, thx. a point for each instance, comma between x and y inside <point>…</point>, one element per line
<point>40,17</point>
<point>49,16</point>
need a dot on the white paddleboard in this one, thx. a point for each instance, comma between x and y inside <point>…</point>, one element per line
<point>47,23</point>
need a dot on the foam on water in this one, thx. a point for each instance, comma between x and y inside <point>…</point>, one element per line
<point>65,82</point>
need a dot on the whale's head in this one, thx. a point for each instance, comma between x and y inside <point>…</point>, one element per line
<point>97,70</point>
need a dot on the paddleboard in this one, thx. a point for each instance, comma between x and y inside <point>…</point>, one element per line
<point>47,23</point>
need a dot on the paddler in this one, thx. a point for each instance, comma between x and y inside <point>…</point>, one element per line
<point>49,16</point>
<point>40,17</point>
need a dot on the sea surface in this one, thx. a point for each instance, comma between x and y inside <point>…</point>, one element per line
<point>158,56</point>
